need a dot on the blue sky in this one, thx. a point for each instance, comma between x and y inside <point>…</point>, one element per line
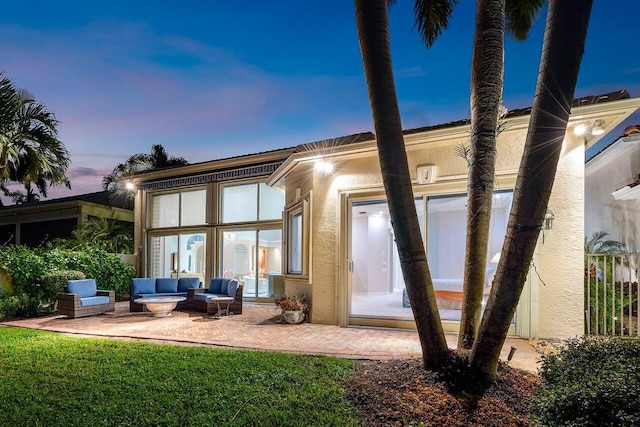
<point>209,80</point>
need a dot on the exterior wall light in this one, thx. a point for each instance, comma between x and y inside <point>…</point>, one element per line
<point>129,186</point>
<point>548,220</point>
<point>324,167</point>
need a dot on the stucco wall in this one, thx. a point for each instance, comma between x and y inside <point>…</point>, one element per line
<point>559,255</point>
<point>557,304</point>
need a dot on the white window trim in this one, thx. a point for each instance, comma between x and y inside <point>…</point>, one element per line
<point>303,207</point>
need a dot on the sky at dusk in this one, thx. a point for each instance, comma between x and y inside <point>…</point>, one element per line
<point>209,80</point>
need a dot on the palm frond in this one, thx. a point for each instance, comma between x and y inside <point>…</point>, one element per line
<point>432,17</point>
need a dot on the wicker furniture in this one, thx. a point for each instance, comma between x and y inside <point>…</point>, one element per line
<point>204,299</point>
<point>82,298</point>
<point>161,287</point>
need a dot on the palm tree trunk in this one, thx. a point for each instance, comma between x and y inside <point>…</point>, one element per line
<point>487,71</point>
<point>562,49</point>
<point>373,33</point>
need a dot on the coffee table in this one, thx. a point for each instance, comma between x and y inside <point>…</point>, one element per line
<point>221,311</point>
<point>160,306</point>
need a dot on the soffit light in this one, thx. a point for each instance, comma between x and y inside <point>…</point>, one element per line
<point>129,186</point>
<point>595,128</point>
<point>324,167</point>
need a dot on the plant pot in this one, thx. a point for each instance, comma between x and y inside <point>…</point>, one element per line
<point>293,317</point>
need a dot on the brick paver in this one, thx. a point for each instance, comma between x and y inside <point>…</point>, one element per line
<point>258,328</point>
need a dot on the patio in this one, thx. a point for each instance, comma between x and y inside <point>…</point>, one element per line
<point>258,328</point>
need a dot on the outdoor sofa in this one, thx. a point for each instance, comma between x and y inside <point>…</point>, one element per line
<point>82,298</point>
<point>160,287</point>
<point>203,299</point>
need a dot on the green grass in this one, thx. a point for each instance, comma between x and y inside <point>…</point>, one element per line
<point>49,379</point>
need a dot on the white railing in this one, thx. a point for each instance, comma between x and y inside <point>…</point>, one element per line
<point>611,294</point>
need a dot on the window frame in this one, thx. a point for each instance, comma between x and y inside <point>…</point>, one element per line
<point>299,208</point>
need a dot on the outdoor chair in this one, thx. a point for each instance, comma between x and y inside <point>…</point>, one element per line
<point>82,298</point>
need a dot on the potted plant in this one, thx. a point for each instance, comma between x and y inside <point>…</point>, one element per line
<point>294,309</point>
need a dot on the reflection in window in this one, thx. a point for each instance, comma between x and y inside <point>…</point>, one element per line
<point>295,243</point>
<point>254,258</point>
<point>178,255</point>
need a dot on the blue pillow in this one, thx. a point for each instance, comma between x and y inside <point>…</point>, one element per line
<point>141,286</point>
<point>215,286</point>
<point>85,287</point>
<point>185,283</point>
<point>232,288</point>
<point>224,288</point>
<point>167,285</point>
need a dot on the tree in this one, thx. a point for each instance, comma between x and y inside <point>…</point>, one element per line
<point>563,45</point>
<point>372,24</point>
<point>487,75</point>
<point>373,33</point>
<point>141,162</point>
<point>114,235</point>
<point>30,151</point>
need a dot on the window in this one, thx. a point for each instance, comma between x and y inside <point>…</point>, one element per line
<point>253,256</point>
<point>179,209</point>
<point>251,202</point>
<point>178,255</point>
<point>297,226</point>
<point>295,243</point>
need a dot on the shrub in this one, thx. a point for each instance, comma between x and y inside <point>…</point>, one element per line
<point>12,305</point>
<point>592,382</point>
<point>27,269</point>
<point>54,282</point>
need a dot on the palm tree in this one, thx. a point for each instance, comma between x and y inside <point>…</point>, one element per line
<point>30,151</point>
<point>141,162</point>
<point>116,237</point>
<point>373,33</point>
<point>563,46</point>
<point>487,75</point>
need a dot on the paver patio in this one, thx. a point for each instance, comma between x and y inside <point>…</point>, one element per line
<point>258,328</point>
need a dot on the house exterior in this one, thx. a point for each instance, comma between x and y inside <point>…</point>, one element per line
<point>312,220</point>
<point>32,224</point>
<point>613,193</point>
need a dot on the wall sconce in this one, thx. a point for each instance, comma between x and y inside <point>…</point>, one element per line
<point>548,220</point>
<point>324,166</point>
<point>594,128</point>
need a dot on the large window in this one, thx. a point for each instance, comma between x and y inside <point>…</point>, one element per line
<point>251,202</point>
<point>179,209</point>
<point>178,255</point>
<point>253,256</point>
<point>377,284</point>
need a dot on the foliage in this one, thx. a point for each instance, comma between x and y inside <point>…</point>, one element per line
<point>12,305</point>
<point>294,303</point>
<point>159,158</point>
<point>30,151</point>
<point>55,281</point>
<point>604,299</point>
<point>31,269</point>
<point>592,382</point>
<point>80,381</point>
<point>113,234</point>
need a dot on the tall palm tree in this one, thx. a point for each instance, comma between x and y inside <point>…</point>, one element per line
<point>373,33</point>
<point>563,46</point>
<point>487,76</point>
<point>30,150</point>
<point>159,158</point>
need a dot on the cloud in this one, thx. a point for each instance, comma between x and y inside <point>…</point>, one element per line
<point>81,172</point>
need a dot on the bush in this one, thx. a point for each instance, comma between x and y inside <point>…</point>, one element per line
<point>12,305</point>
<point>28,268</point>
<point>54,282</point>
<point>592,382</point>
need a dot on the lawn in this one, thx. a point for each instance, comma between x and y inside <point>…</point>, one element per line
<point>58,380</point>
